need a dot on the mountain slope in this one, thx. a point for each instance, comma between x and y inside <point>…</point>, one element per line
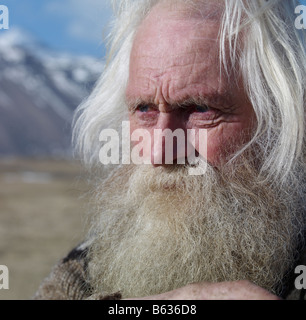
<point>39,90</point>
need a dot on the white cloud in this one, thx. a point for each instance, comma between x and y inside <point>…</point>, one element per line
<point>86,20</point>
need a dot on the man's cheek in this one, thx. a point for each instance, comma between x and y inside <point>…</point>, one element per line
<point>220,143</point>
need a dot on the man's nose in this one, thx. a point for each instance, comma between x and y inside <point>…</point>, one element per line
<point>169,139</point>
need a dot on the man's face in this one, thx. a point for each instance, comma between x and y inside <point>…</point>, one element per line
<point>175,83</point>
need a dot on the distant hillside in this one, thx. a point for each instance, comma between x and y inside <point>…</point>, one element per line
<point>39,90</point>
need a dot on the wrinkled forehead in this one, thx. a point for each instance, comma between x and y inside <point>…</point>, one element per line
<point>174,26</point>
<point>177,51</point>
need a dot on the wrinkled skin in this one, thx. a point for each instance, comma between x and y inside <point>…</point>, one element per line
<point>173,60</point>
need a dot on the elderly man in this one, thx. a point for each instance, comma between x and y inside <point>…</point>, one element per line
<point>235,69</point>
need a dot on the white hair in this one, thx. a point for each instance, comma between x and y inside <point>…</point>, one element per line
<point>271,59</point>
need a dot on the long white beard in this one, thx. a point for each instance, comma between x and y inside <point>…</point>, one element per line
<point>157,229</point>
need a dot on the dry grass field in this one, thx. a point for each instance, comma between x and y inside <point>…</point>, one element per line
<point>41,219</point>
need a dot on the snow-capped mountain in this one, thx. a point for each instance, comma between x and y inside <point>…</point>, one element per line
<point>39,90</point>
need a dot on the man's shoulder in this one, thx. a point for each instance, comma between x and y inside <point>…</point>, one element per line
<point>68,279</point>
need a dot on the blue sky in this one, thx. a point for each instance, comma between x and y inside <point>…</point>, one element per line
<point>74,26</point>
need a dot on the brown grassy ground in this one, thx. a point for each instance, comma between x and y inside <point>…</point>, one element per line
<point>41,219</point>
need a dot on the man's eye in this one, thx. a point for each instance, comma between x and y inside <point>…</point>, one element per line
<point>199,108</point>
<point>143,108</point>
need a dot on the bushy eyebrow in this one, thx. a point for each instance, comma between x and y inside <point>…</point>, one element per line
<point>213,99</point>
<point>199,101</point>
<point>133,104</point>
